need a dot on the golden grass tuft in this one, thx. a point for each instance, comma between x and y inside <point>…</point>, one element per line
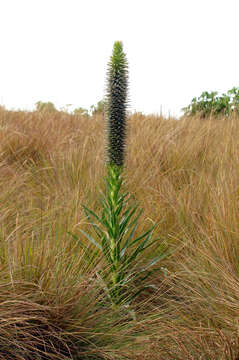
<point>185,176</point>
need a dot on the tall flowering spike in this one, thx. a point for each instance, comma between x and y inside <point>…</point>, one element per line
<point>116,105</point>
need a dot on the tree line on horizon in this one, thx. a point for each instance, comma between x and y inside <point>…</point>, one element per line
<point>207,104</point>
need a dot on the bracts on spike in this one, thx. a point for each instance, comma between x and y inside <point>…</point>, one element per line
<point>116,104</point>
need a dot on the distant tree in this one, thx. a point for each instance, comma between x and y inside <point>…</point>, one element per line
<point>81,111</point>
<point>212,104</point>
<point>45,106</point>
<point>98,109</point>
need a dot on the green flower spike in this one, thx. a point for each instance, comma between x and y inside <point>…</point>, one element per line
<point>116,104</point>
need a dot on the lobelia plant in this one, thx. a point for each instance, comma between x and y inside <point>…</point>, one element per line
<point>115,227</point>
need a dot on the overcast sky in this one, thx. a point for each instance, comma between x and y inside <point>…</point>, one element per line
<point>58,50</point>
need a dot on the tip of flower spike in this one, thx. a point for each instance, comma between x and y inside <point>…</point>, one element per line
<point>118,44</point>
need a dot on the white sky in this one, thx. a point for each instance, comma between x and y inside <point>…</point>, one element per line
<point>58,50</point>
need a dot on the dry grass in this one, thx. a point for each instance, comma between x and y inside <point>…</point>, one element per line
<point>185,176</point>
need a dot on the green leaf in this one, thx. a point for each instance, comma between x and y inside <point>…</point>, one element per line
<point>128,241</point>
<point>90,212</point>
<point>89,257</point>
<point>106,249</point>
<point>91,239</point>
<point>97,229</point>
<point>143,235</point>
<point>104,204</point>
<point>126,218</point>
<point>155,260</point>
<point>142,246</point>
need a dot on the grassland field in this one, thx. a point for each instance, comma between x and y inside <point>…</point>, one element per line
<point>183,173</point>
